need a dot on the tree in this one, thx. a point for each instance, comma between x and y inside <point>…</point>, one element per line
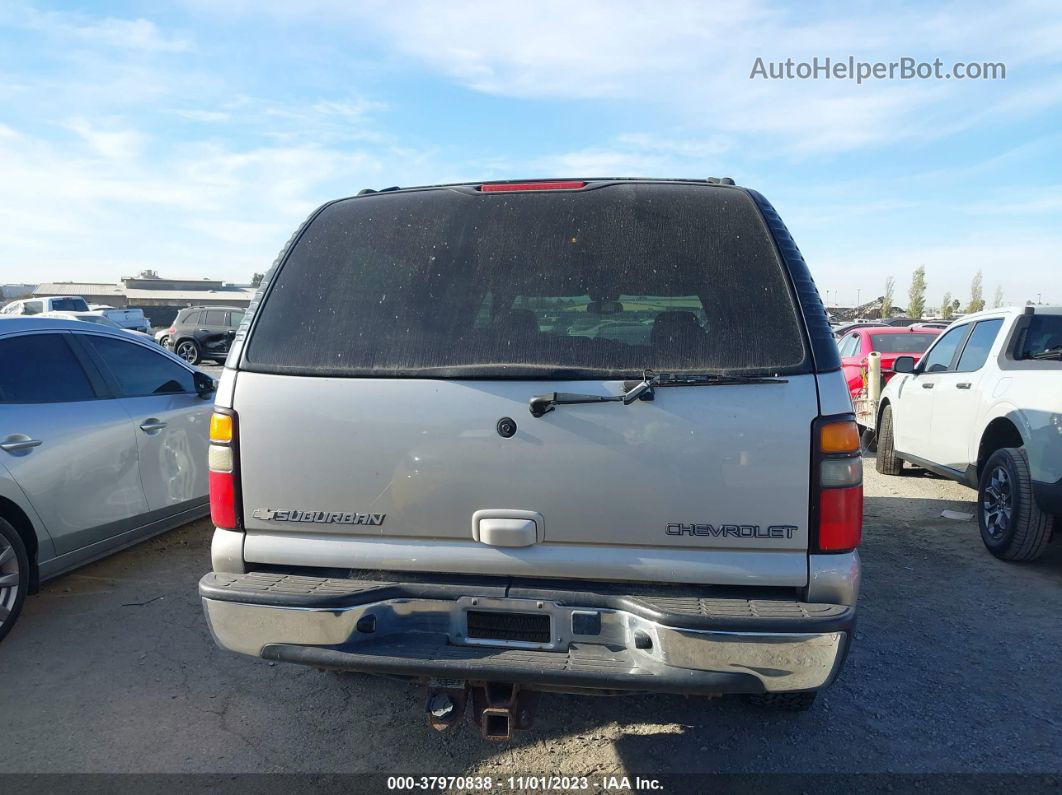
<point>997,300</point>
<point>256,280</point>
<point>886,300</point>
<point>977,301</point>
<point>945,307</point>
<point>916,296</point>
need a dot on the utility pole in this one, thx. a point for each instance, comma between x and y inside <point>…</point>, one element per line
<point>858,291</point>
<point>1038,297</point>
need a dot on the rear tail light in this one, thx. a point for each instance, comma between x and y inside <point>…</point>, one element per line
<point>838,486</point>
<point>511,187</point>
<point>223,463</point>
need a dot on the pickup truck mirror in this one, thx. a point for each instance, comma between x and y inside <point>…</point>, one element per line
<point>204,385</point>
<point>904,364</point>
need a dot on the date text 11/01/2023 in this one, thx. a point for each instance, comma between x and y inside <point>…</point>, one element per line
<point>523,783</point>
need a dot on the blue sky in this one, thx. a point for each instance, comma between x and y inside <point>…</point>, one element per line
<point>193,137</point>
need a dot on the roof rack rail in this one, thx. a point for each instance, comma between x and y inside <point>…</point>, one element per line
<point>363,191</point>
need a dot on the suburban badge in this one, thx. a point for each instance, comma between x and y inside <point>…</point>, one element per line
<point>318,517</point>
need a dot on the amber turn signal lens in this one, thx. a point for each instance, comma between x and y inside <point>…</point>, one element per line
<point>221,428</point>
<point>839,437</point>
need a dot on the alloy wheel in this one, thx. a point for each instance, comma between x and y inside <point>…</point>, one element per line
<point>187,351</point>
<point>9,579</point>
<point>998,503</point>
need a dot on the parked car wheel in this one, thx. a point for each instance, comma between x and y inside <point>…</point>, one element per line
<point>1012,525</point>
<point>868,439</point>
<point>188,350</point>
<point>784,702</point>
<point>14,576</point>
<point>164,340</point>
<point>887,463</point>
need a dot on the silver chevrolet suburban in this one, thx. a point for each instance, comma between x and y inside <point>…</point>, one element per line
<point>581,435</point>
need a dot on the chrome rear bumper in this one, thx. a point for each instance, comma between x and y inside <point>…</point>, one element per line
<point>674,644</point>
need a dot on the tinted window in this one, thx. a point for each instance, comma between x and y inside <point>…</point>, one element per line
<point>41,368</point>
<point>850,345</point>
<point>32,307</point>
<point>603,282</point>
<point>1043,336</point>
<point>213,317</point>
<point>975,354</point>
<point>69,305</point>
<point>235,319</point>
<point>191,319</point>
<point>939,358</point>
<point>138,370</point>
<point>901,343</point>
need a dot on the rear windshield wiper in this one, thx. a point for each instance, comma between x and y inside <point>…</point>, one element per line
<point>643,390</point>
<point>1053,353</point>
<point>543,404</point>
<point>712,379</point>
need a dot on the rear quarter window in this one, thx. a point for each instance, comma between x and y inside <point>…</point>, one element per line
<point>69,305</point>
<point>603,282</point>
<point>1042,339</point>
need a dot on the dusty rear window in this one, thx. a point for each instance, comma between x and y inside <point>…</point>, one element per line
<point>595,283</point>
<point>901,343</point>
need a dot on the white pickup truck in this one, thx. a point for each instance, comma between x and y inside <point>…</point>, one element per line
<point>125,318</point>
<point>984,407</point>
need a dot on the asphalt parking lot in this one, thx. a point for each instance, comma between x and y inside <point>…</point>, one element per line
<point>954,669</point>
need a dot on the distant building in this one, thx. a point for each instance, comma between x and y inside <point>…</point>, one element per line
<point>12,292</point>
<point>159,298</point>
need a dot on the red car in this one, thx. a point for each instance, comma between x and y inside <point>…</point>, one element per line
<point>890,341</point>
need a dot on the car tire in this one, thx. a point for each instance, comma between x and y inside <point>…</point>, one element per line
<point>164,340</point>
<point>1012,525</point>
<point>868,440</point>
<point>887,463</point>
<point>784,702</point>
<point>189,351</point>
<point>14,576</point>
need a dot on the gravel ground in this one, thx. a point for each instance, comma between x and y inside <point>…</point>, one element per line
<point>955,668</point>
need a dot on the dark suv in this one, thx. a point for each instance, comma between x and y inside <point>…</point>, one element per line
<point>204,332</point>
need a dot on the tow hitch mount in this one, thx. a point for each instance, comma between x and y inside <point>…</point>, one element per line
<point>498,708</point>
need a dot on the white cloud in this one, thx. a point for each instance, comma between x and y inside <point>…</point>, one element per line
<point>194,207</point>
<point>138,34</point>
<point>113,144</point>
<point>635,154</point>
<point>202,115</point>
<point>692,60</point>
<point>134,34</point>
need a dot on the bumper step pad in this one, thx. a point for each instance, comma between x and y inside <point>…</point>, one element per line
<point>687,612</point>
